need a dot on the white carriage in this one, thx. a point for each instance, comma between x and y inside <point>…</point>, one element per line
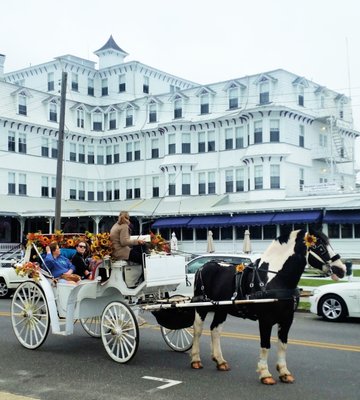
<point>106,309</point>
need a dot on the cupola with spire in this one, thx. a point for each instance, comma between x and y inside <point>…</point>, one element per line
<point>110,54</point>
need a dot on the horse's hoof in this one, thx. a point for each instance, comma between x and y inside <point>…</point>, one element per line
<point>196,365</point>
<point>223,366</point>
<point>269,380</point>
<point>287,378</point>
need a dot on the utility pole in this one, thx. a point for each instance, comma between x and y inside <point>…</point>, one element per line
<point>60,154</point>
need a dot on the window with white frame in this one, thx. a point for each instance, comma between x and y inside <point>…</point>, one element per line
<point>129,189</point>
<point>239,137</point>
<point>116,153</point>
<point>11,183</point>
<point>53,186</point>
<point>275,176</point>
<point>274,130</point>
<point>81,190</point>
<point>129,152</point>
<point>301,179</point>
<point>229,140</point>
<point>155,186</point>
<point>109,154</point>
<point>204,104</point>
<point>22,142</point>
<point>11,141</point>
<point>80,117</point>
<point>72,192</point>
<point>258,132</point>
<point>229,181</point>
<point>186,184</point>
<point>240,179</point>
<point>54,148</point>
<point>122,83</point>
<point>53,111</point>
<point>201,142</point>
<point>75,82</point>
<point>112,119</point>
<point>22,106</point>
<point>233,94</point>
<point>90,90</point>
<point>81,148</point>
<point>264,92</point>
<point>154,148</point>
<point>90,191</point>
<point>178,108</point>
<point>100,158</point>
<point>109,194</point>
<point>258,177</point>
<point>152,112</point>
<point>100,191</point>
<point>72,155</point>
<point>172,143</point>
<point>146,85</point>
<point>44,186</point>
<point>137,151</point>
<point>211,141</point>
<point>129,117</point>
<point>323,140</point>
<point>45,147</point>
<point>300,95</point>
<point>172,185</point>
<point>137,188</point>
<point>22,184</point>
<point>50,82</point>
<point>91,154</point>
<point>97,120</point>
<point>116,190</point>
<point>104,87</point>
<point>301,136</point>
<point>202,183</point>
<point>186,143</point>
<point>211,183</point>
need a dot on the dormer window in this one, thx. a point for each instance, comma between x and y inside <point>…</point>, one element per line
<point>80,117</point>
<point>146,84</point>
<point>129,118</point>
<point>112,119</point>
<point>264,92</point>
<point>178,108</point>
<point>152,112</point>
<point>233,98</point>
<point>22,103</point>
<point>97,120</point>
<point>53,111</point>
<point>301,95</point>
<point>204,103</point>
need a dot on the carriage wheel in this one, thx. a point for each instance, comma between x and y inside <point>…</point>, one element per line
<point>92,326</point>
<point>179,339</point>
<point>119,332</point>
<point>30,315</point>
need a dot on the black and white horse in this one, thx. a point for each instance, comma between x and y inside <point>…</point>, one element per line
<point>275,275</point>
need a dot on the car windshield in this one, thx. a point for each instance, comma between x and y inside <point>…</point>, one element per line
<point>195,264</point>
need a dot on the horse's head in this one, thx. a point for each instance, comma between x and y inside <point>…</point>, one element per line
<point>320,255</point>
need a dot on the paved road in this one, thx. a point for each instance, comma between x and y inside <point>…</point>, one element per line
<point>323,357</point>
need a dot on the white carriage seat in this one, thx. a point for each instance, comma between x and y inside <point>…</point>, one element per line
<point>133,274</point>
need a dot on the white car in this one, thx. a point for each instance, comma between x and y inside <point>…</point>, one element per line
<point>9,280</point>
<point>335,302</point>
<point>187,288</point>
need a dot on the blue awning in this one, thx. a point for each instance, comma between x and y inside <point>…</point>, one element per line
<point>252,219</point>
<point>212,221</point>
<point>296,217</point>
<point>171,222</point>
<point>342,217</point>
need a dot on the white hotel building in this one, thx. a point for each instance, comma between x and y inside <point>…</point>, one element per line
<point>263,152</point>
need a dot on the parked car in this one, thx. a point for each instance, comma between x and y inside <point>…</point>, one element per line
<point>9,280</point>
<point>335,302</point>
<point>187,288</point>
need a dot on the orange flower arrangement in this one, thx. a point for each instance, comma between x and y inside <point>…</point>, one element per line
<point>310,240</point>
<point>240,267</point>
<point>158,244</point>
<point>100,244</point>
<point>30,269</point>
<point>64,240</point>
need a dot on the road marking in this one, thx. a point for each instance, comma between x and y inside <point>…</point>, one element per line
<point>169,383</point>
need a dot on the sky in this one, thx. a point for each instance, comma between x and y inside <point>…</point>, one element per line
<point>204,41</point>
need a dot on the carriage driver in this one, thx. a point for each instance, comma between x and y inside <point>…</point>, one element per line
<point>123,248</point>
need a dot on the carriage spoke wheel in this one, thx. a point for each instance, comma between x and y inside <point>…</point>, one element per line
<point>92,326</point>
<point>30,315</point>
<point>119,332</point>
<point>179,339</point>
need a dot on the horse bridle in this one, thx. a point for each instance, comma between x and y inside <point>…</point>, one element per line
<point>319,254</point>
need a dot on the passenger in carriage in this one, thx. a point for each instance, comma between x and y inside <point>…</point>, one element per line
<point>58,265</point>
<point>80,261</point>
<point>123,248</point>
